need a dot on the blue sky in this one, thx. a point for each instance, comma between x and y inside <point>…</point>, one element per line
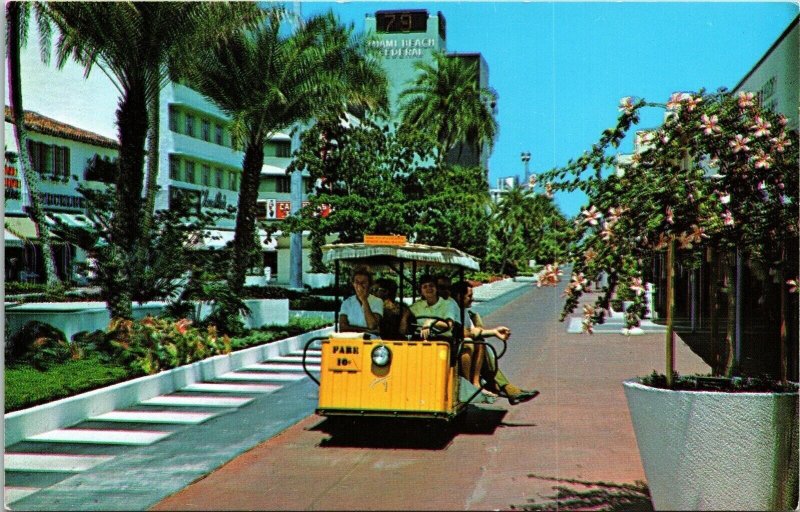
<point>559,69</point>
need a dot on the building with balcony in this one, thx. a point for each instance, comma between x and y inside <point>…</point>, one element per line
<point>63,156</point>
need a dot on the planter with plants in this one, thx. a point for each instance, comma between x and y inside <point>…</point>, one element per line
<point>716,183</point>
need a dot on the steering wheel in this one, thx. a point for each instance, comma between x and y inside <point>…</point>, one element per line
<point>434,327</point>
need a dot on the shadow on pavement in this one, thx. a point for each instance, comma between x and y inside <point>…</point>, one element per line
<point>592,496</point>
<point>404,433</point>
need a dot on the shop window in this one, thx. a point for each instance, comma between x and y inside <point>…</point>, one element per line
<point>190,125</point>
<point>283,149</point>
<point>206,176</point>
<point>218,175</point>
<point>206,130</point>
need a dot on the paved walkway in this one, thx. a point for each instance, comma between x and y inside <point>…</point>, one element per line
<point>578,430</point>
<point>90,465</point>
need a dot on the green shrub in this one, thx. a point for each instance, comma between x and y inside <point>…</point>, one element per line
<point>15,288</point>
<point>26,386</point>
<point>269,334</point>
<point>151,345</point>
<point>311,303</point>
<point>38,344</point>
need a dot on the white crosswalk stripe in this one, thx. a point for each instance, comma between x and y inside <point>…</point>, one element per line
<point>197,401</point>
<point>13,493</point>
<point>101,436</point>
<point>262,376</point>
<point>215,387</point>
<point>52,462</point>
<point>189,418</point>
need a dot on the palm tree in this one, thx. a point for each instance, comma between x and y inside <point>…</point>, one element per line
<point>267,81</point>
<point>17,16</point>
<point>509,227</point>
<point>130,42</point>
<point>448,101</point>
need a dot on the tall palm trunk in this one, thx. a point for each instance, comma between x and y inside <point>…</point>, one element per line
<point>17,113</point>
<point>245,233</point>
<point>126,234</point>
<point>153,135</point>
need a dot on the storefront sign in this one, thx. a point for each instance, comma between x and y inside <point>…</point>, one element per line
<point>63,201</point>
<point>219,201</point>
<point>13,183</point>
<point>272,209</point>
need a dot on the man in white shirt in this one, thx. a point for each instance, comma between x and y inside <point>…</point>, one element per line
<point>361,312</point>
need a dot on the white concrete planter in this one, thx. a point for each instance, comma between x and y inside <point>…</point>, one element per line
<point>314,280</point>
<point>266,312</point>
<point>256,280</point>
<point>704,450</point>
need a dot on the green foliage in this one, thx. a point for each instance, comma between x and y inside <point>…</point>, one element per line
<point>18,288</point>
<point>525,226</point>
<point>39,345</point>
<point>447,104</point>
<point>269,334</point>
<point>720,172</point>
<point>27,386</point>
<point>451,205</point>
<point>151,345</point>
<point>102,169</point>
<point>364,170</point>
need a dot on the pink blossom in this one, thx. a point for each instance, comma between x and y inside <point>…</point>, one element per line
<point>592,216</point>
<point>579,282</point>
<point>763,161</point>
<point>636,285</point>
<point>761,127</point>
<point>739,143</point>
<point>746,99</point>
<point>586,326</point>
<point>590,254</point>
<point>548,190</point>
<point>724,198</point>
<point>792,285</point>
<point>780,143</point>
<point>688,238</point>
<point>782,120</point>
<point>692,102</point>
<point>709,124</point>
<point>550,276</point>
<point>727,218</point>
<point>626,105</point>
<point>607,232</point>
<point>674,102</point>
<point>663,241</point>
<point>670,218</point>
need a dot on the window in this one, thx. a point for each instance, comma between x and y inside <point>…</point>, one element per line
<point>190,125</point>
<point>218,175</point>
<point>283,184</point>
<point>219,135</point>
<point>189,172</point>
<point>174,168</point>
<point>271,261</point>
<point>173,119</point>
<point>60,161</point>
<point>206,177</point>
<point>234,181</point>
<point>261,210</point>
<point>206,130</point>
<point>283,149</point>
<point>41,158</point>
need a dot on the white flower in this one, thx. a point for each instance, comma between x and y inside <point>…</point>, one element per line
<point>592,216</point>
<point>636,285</point>
<point>762,161</point>
<point>709,124</point>
<point>727,218</point>
<point>761,127</point>
<point>626,105</point>
<point>739,143</point>
<point>746,99</point>
<point>725,198</point>
<point>670,218</point>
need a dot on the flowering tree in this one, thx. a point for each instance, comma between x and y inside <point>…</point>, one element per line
<point>720,174</point>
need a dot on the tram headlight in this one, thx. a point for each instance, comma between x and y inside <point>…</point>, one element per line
<point>381,355</point>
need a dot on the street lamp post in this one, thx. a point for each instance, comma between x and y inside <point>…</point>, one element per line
<point>526,157</point>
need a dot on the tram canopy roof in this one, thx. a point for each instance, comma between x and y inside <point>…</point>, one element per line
<point>378,254</point>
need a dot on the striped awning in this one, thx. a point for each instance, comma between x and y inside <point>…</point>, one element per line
<point>22,227</point>
<point>386,254</point>
<point>11,240</point>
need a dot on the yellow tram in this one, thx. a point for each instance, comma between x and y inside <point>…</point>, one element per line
<point>364,375</point>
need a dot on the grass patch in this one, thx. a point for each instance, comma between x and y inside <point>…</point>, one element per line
<point>26,386</point>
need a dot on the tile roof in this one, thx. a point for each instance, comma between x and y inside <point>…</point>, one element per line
<point>38,123</point>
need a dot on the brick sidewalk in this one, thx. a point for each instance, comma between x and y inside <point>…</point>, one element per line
<point>578,429</point>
